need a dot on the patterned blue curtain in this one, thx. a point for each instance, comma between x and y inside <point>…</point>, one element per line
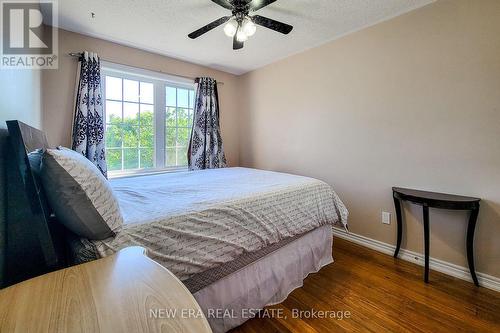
<point>88,123</point>
<point>205,147</point>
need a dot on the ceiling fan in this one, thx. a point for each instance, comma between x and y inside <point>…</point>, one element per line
<point>240,25</point>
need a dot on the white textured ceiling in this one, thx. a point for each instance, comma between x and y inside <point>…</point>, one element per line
<point>162,26</point>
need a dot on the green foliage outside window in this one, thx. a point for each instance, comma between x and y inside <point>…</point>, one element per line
<point>131,141</point>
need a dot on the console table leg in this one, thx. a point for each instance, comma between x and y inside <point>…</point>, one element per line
<point>470,243</point>
<point>399,217</point>
<point>426,242</point>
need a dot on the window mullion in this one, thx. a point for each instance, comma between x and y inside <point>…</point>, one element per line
<point>160,110</point>
<point>176,123</point>
<point>122,129</point>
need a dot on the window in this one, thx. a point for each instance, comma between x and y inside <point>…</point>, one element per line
<point>129,124</point>
<point>179,121</point>
<point>149,117</point>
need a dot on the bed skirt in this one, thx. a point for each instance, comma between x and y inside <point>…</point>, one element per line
<point>228,302</point>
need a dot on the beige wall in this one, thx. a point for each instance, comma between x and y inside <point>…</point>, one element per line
<point>414,102</point>
<point>58,86</point>
<point>20,98</point>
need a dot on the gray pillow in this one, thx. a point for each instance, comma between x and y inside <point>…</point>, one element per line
<point>80,196</point>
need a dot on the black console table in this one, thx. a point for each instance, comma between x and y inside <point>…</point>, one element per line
<point>437,200</point>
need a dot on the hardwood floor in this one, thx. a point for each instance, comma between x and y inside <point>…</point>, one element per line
<point>382,294</point>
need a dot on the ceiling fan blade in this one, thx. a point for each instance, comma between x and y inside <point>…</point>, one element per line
<point>208,27</point>
<point>272,24</point>
<point>224,3</point>
<point>255,5</point>
<point>236,44</point>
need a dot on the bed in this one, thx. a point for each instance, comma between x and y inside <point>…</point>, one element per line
<point>216,228</point>
<point>238,238</point>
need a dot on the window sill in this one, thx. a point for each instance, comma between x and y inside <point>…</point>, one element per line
<point>143,172</point>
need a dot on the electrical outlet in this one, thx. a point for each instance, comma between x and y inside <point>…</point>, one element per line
<point>386,218</point>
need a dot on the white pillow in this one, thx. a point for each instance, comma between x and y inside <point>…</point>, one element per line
<point>80,196</point>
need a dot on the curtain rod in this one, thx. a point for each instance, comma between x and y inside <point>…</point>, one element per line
<point>79,54</point>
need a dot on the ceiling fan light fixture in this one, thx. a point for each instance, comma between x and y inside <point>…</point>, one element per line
<point>241,36</point>
<point>249,27</point>
<point>239,25</point>
<point>230,28</point>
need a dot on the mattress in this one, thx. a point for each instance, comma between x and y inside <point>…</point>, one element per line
<point>191,222</point>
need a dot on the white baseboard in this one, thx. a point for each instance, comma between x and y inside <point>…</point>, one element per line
<point>485,280</point>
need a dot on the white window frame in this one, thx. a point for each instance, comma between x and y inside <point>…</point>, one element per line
<point>160,81</point>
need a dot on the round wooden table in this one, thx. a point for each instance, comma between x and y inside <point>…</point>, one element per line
<point>125,292</point>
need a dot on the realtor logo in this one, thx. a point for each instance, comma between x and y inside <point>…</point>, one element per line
<point>29,39</point>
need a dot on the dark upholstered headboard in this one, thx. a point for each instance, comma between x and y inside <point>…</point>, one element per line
<point>31,233</point>
<point>3,205</point>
